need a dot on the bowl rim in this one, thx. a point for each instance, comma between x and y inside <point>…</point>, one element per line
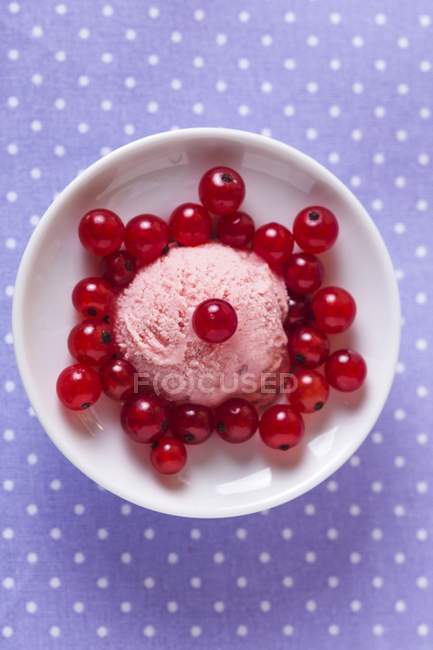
<point>270,145</point>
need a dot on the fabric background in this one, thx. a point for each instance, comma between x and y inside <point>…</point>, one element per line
<point>350,563</point>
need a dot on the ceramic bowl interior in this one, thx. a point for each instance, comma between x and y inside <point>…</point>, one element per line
<point>154,175</point>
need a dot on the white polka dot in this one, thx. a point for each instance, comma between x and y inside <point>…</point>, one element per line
<point>355,557</point>
<point>355,606</point>
<point>244,110</point>
<point>358,88</point>
<point>400,606</point>
<point>60,56</point>
<point>312,87</point>
<point>335,18</point>
<point>125,607</point>
<point>84,33</point>
<point>61,9</point>
<point>422,391</point>
<point>399,462</point>
<point>380,19</point>
<point>422,629</point>
<point>288,630</point>
<point>241,582</point>
<point>421,344</point>
<point>312,40</point>
<point>244,16</point>
<point>424,113</point>
<point>377,582</point>
<point>311,133</point>
<point>130,34</point>
<point>198,62</point>
<point>79,558</point>
<point>310,557</point>
<point>148,582</point>
<point>401,135</point>
<point>288,582</point>
<point>172,606</point>
<point>422,582</point>
<point>376,534</point>
<point>8,533</point>
<point>32,509</point>
<point>149,631</point>
<point>380,65</point>
<point>14,7</point>
<point>8,583</point>
<point>265,606</point>
<point>264,557</point>
<point>403,89</point>
<point>55,631</point>
<point>421,251</point>
<point>195,631</point>
<point>334,157</point>
<point>78,607</point>
<point>335,64</point>
<point>13,55</point>
<point>422,438</point>
<point>334,630</point>
<point>311,605</point>
<point>7,631</point>
<point>149,534</point>
<point>332,534</point>
<point>102,583</point>
<point>421,534</point>
<point>399,558</point>
<point>107,57</point>
<point>357,41</point>
<point>424,20</point>
<point>152,107</point>
<point>378,629</point>
<point>172,558</point>
<point>8,485</point>
<point>219,606</point>
<point>37,31</point>
<point>55,583</point>
<point>242,630</point>
<point>357,135</point>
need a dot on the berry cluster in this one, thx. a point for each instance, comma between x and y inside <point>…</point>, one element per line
<point>314,313</point>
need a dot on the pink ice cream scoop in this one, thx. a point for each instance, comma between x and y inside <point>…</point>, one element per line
<point>153,325</point>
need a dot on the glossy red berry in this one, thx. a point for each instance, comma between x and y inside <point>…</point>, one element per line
<point>192,423</point>
<point>214,321</point>
<point>308,346</point>
<point>303,273</point>
<point>310,392</point>
<point>93,297</point>
<point>236,230</point>
<point>91,343</point>
<point>299,312</point>
<point>281,427</point>
<point>315,229</point>
<point>119,268</point>
<point>190,224</point>
<point>221,190</point>
<point>101,232</point>
<point>274,243</point>
<point>117,379</point>
<point>143,418</point>
<point>346,370</point>
<point>334,309</point>
<point>146,237</point>
<point>236,420</point>
<point>168,455</point>
<point>78,387</point>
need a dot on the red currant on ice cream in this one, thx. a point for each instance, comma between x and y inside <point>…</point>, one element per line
<point>117,379</point>
<point>299,312</point>
<point>334,309</point>
<point>91,343</point>
<point>192,423</point>
<point>214,321</point>
<point>168,455</point>
<point>190,224</point>
<point>144,418</point>
<point>281,427</point>
<point>308,346</point>
<point>92,297</point>
<point>236,230</point>
<point>274,243</point>
<point>101,232</point>
<point>221,190</point>
<point>78,387</point>
<point>119,268</point>
<point>346,370</point>
<point>146,237</point>
<point>303,273</point>
<point>315,229</point>
<point>310,392</point>
<point>236,420</point>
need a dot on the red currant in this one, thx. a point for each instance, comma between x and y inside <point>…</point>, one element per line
<point>236,230</point>
<point>310,392</point>
<point>146,237</point>
<point>334,309</point>
<point>221,190</point>
<point>346,370</point>
<point>303,273</point>
<point>101,232</point>
<point>91,343</point>
<point>168,455</point>
<point>315,229</point>
<point>308,346</point>
<point>143,418</point>
<point>190,224</point>
<point>117,379</point>
<point>274,243</point>
<point>281,427</point>
<point>299,312</point>
<point>192,423</point>
<point>236,420</point>
<point>214,321</point>
<point>78,387</point>
<point>119,268</point>
<point>92,297</point>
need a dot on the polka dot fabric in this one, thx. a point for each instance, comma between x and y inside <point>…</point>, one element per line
<point>349,564</point>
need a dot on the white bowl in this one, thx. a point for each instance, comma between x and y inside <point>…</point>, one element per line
<point>153,175</point>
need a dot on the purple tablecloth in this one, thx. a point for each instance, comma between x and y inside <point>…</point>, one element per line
<point>349,564</point>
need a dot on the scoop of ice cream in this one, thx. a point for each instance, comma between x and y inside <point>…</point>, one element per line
<point>153,324</point>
